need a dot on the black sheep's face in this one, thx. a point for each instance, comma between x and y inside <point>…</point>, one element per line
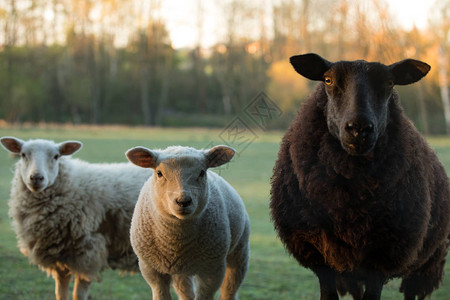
<point>358,95</point>
<point>357,106</point>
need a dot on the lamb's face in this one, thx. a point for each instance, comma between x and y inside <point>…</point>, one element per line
<point>38,165</point>
<point>180,186</point>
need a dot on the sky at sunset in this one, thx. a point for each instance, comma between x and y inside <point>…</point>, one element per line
<point>411,12</point>
<point>181,18</point>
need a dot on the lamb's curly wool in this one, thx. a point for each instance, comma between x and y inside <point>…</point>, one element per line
<point>80,224</point>
<point>189,222</point>
<point>365,218</point>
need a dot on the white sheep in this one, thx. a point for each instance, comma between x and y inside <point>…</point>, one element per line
<point>72,217</point>
<point>189,223</point>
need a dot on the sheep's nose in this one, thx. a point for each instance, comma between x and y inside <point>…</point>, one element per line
<point>36,178</point>
<point>360,128</point>
<point>184,201</point>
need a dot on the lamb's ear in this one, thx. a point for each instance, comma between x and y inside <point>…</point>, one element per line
<point>219,155</point>
<point>142,157</point>
<point>310,65</point>
<point>408,71</point>
<point>69,147</point>
<point>12,144</point>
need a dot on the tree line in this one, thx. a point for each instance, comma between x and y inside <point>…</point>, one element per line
<point>112,62</point>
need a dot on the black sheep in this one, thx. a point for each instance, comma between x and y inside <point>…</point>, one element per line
<point>357,194</point>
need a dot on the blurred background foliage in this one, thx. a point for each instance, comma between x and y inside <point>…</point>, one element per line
<point>113,61</point>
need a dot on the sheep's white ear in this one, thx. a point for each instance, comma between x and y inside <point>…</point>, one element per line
<point>219,155</point>
<point>12,144</point>
<point>310,65</point>
<point>69,147</point>
<point>142,157</point>
<point>408,71</point>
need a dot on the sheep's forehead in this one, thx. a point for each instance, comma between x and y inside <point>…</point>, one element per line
<point>183,163</point>
<point>181,160</point>
<point>180,151</point>
<point>39,146</point>
<point>358,68</point>
<point>183,156</point>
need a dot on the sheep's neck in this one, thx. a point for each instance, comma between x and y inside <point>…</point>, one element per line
<point>168,225</point>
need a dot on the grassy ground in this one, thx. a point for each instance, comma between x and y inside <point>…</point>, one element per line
<point>273,274</point>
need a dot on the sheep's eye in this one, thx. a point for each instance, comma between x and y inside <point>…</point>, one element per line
<point>328,80</point>
<point>23,155</point>
<point>56,156</point>
<point>202,173</point>
<point>159,173</point>
<point>390,83</point>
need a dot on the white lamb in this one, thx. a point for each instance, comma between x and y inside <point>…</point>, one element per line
<point>70,216</point>
<point>189,223</point>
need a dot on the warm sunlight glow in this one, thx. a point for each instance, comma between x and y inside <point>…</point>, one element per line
<point>49,15</point>
<point>183,37</point>
<point>182,22</point>
<point>410,13</point>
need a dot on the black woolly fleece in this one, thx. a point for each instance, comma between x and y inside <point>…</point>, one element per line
<point>387,212</point>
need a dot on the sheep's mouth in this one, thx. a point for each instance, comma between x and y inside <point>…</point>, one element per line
<point>358,149</point>
<point>183,212</point>
<point>36,187</point>
<point>358,145</point>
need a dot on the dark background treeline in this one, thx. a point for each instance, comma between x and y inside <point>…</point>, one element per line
<point>112,62</point>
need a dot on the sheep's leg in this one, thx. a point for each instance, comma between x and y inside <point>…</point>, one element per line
<point>184,286</point>
<point>346,284</point>
<point>159,283</point>
<point>374,286</point>
<point>80,288</point>
<point>327,281</point>
<point>423,281</point>
<point>209,282</point>
<point>237,265</point>
<point>62,279</point>
<point>233,279</point>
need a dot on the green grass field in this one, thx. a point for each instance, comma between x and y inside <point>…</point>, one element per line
<point>273,274</point>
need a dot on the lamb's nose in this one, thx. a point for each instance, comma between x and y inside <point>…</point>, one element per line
<point>184,201</point>
<point>37,177</point>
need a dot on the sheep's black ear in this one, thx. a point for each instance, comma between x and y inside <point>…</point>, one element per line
<point>12,144</point>
<point>142,157</point>
<point>69,147</point>
<point>219,155</point>
<point>408,71</point>
<point>310,65</point>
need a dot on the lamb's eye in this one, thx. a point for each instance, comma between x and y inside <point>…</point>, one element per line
<point>159,173</point>
<point>202,173</point>
<point>56,156</point>
<point>328,80</point>
<point>23,155</point>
